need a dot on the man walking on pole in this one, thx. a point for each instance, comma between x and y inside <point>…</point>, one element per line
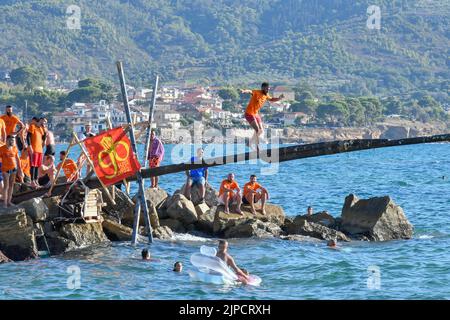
<point>259,97</point>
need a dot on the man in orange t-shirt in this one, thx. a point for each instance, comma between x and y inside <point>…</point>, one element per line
<point>259,97</point>
<point>25,165</point>
<point>70,168</point>
<point>252,195</point>
<point>11,122</point>
<point>36,134</point>
<point>10,166</point>
<point>228,195</point>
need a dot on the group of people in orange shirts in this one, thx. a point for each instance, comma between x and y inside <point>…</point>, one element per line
<point>33,167</point>
<point>230,193</point>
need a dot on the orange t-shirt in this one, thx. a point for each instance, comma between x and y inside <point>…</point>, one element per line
<point>69,168</point>
<point>37,135</point>
<point>10,123</point>
<point>8,156</point>
<point>256,102</point>
<point>229,185</point>
<point>251,186</point>
<point>25,163</point>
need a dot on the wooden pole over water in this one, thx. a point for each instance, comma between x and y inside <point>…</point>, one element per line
<point>284,154</point>
<point>141,193</point>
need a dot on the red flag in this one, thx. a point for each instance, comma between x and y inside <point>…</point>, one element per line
<point>112,155</point>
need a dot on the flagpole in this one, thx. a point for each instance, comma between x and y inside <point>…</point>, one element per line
<point>141,193</point>
<point>150,120</point>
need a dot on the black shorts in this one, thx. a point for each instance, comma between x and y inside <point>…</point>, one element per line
<point>50,150</point>
<point>44,180</point>
<point>245,201</point>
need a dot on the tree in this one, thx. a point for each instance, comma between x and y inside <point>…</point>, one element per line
<point>333,112</point>
<point>393,105</point>
<point>89,82</point>
<point>373,108</point>
<point>27,76</point>
<point>85,94</point>
<point>229,94</point>
<point>307,106</point>
<point>356,111</point>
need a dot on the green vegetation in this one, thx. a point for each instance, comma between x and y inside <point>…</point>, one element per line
<point>323,42</point>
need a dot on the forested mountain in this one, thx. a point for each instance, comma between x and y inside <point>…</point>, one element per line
<point>323,42</point>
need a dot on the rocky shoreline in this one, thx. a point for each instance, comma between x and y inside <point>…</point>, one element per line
<point>35,225</point>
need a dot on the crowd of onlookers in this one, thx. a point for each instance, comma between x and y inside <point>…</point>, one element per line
<point>27,155</point>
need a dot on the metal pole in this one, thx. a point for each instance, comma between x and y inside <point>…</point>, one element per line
<point>141,193</point>
<point>150,121</point>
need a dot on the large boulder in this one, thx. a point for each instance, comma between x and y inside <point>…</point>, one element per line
<point>162,233</point>
<point>253,228</point>
<point>17,238</point>
<point>303,227</point>
<point>174,225</point>
<point>323,218</point>
<point>52,204</point>
<point>35,208</point>
<point>58,245</point>
<point>116,231</point>
<point>222,221</point>
<point>210,195</point>
<point>181,209</point>
<point>3,258</point>
<point>124,207</point>
<point>154,196</point>
<point>375,219</point>
<point>84,234</point>
<point>205,221</point>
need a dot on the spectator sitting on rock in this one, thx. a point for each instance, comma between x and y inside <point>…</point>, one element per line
<point>252,195</point>
<point>177,267</point>
<point>196,176</point>
<point>46,172</point>
<point>227,194</point>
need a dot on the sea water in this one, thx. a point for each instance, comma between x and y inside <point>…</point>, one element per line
<point>416,177</point>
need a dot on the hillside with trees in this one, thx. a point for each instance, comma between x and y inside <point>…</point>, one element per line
<point>323,42</point>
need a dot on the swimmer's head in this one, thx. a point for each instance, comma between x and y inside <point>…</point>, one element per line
<point>223,245</point>
<point>245,271</point>
<point>331,243</point>
<point>145,254</point>
<point>178,266</point>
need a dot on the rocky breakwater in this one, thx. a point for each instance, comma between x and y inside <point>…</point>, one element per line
<point>32,227</point>
<point>119,218</point>
<point>208,218</point>
<point>374,219</point>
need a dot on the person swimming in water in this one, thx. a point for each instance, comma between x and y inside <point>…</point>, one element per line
<point>178,267</point>
<point>146,256</point>
<point>332,244</point>
<point>223,254</point>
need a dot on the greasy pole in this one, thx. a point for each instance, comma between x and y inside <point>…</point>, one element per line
<point>141,193</point>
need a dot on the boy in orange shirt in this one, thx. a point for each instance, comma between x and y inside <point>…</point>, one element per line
<point>259,97</point>
<point>252,195</point>
<point>227,194</point>
<point>36,144</point>
<point>10,166</point>
<point>70,168</point>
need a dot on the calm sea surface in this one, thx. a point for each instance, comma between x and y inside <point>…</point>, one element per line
<point>416,177</point>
